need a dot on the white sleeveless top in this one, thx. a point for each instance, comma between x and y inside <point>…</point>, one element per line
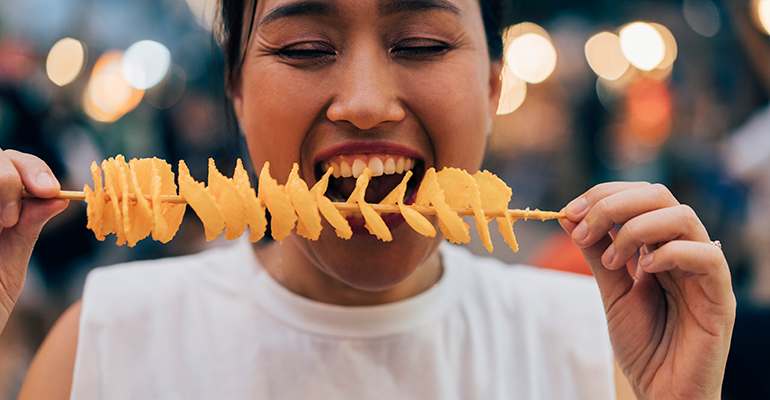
<point>217,326</point>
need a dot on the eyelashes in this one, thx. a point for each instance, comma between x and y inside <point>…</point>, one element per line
<point>323,52</point>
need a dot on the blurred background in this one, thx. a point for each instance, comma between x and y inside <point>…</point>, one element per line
<point>665,91</point>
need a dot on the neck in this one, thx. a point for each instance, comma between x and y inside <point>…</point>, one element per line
<point>286,262</point>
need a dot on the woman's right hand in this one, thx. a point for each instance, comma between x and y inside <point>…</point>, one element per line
<point>21,221</point>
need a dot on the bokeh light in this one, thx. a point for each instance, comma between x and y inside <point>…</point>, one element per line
<point>108,96</point>
<point>531,57</point>
<point>169,90</point>
<point>513,93</point>
<point>642,45</point>
<point>145,63</point>
<point>702,16</point>
<point>669,41</point>
<point>649,106</point>
<point>204,12</point>
<point>605,57</point>
<point>762,10</point>
<point>65,61</point>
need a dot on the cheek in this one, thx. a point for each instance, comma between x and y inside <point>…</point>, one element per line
<point>454,110</point>
<point>278,113</point>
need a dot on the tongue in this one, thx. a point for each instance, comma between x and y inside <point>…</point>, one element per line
<point>378,188</point>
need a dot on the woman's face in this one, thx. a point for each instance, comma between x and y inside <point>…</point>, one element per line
<point>333,82</point>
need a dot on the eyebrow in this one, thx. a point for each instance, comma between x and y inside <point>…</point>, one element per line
<point>299,9</point>
<point>387,8</point>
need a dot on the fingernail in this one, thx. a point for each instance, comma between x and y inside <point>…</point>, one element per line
<point>10,214</point>
<point>581,231</point>
<point>577,206</point>
<point>45,180</point>
<point>645,260</point>
<point>609,256</point>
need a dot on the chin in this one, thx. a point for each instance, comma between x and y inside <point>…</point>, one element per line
<point>367,264</point>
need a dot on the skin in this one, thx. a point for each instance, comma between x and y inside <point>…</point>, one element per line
<point>311,83</point>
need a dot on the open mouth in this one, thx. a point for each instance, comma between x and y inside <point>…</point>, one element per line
<point>387,173</point>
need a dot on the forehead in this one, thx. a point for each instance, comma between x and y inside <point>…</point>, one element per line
<point>271,10</point>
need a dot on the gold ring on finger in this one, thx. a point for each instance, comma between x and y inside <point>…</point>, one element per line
<point>717,243</point>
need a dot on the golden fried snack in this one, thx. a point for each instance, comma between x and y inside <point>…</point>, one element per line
<point>113,217</point>
<point>327,209</point>
<point>140,212</point>
<point>496,195</point>
<point>374,223</point>
<point>461,190</point>
<point>95,202</point>
<point>278,203</point>
<point>143,200</point>
<point>202,202</point>
<point>417,221</point>
<point>306,206</point>
<point>255,210</point>
<point>229,200</point>
<point>452,226</point>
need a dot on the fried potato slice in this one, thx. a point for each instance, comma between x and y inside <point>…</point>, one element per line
<point>202,202</point>
<point>496,195</point>
<point>113,211</point>
<point>308,218</point>
<point>95,203</point>
<point>229,200</point>
<point>159,224</point>
<point>327,209</point>
<point>139,211</point>
<point>172,214</point>
<point>374,223</point>
<point>461,190</point>
<point>255,210</point>
<point>452,226</point>
<point>417,221</point>
<point>278,203</point>
<point>121,168</point>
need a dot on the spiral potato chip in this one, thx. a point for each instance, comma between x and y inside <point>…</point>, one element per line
<point>461,190</point>
<point>278,203</point>
<point>202,202</point>
<point>143,200</point>
<point>255,210</point>
<point>417,221</point>
<point>496,195</point>
<point>308,218</point>
<point>327,209</point>
<point>229,201</point>
<point>452,226</point>
<point>374,223</point>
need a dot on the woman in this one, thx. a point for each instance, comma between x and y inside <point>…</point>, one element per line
<point>319,82</point>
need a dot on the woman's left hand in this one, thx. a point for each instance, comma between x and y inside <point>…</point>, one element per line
<point>670,320</point>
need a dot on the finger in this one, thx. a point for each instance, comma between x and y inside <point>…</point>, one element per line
<point>10,192</point>
<point>704,260</point>
<point>577,209</point>
<point>651,228</point>
<point>617,209</point>
<point>613,284</point>
<point>35,174</point>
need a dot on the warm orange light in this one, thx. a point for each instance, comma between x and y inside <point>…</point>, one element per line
<point>108,96</point>
<point>649,107</point>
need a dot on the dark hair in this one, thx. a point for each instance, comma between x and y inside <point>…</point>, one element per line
<point>231,30</point>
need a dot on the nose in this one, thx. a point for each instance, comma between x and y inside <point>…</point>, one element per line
<point>367,94</point>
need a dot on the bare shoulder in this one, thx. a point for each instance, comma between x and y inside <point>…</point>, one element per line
<point>50,374</point>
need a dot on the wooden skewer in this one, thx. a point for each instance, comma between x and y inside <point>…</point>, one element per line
<point>513,213</point>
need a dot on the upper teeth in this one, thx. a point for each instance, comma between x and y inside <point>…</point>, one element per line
<point>387,165</point>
